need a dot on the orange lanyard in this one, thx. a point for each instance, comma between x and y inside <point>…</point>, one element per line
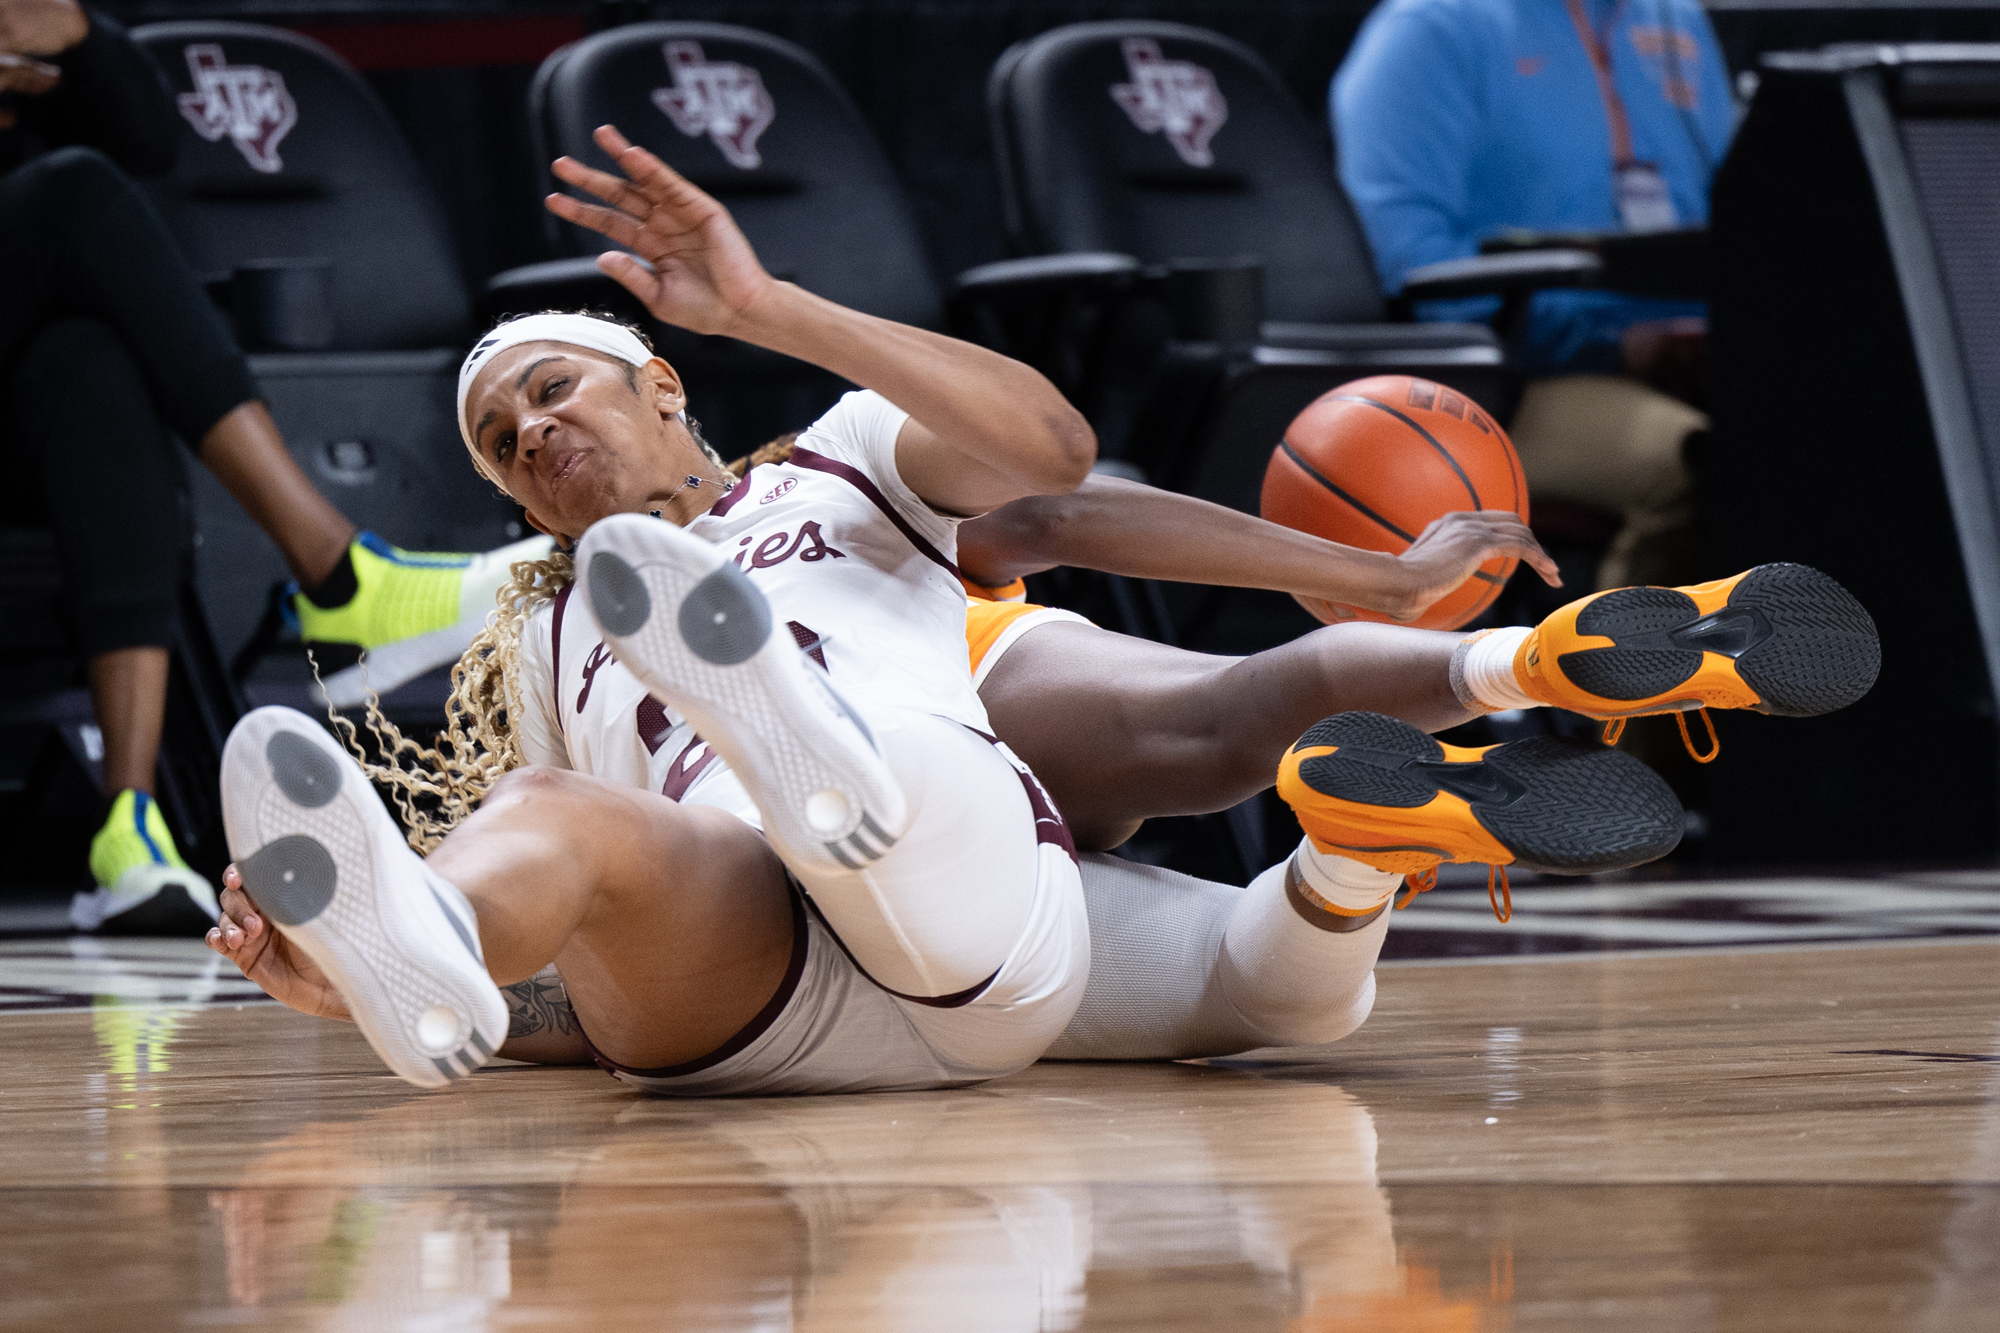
<point>1607,86</point>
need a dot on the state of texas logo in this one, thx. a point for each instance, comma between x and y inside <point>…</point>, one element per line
<point>247,104</point>
<point>720,99</point>
<point>1174,97</point>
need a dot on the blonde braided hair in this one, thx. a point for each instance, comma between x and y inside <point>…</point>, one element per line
<point>436,787</point>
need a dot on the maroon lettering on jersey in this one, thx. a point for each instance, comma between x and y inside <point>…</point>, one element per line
<point>808,545</point>
<point>687,766</point>
<point>653,724</point>
<point>591,664</point>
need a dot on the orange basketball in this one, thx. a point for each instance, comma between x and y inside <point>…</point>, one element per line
<point>1372,463</point>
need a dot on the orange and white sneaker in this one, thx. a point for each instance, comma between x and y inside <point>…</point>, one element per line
<point>1783,639</point>
<point>1381,792</point>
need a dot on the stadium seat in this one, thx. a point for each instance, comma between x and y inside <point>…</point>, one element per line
<point>760,124</point>
<point>1855,345</point>
<point>288,158</point>
<point>1172,144</point>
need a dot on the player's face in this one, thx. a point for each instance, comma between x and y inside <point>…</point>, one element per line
<point>573,437</point>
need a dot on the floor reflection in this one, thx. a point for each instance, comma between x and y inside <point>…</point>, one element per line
<point>1288,1259</point>
<point>856,1255</point>
<point>1569,1146</point>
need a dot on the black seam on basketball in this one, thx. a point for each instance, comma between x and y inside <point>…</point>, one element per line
<point>1492,593</point>
<point>1429,438</point>
<point>1483,576</point>
<point>1360,508</point>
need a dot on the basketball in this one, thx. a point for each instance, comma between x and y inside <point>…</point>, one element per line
<point>1372,463</point>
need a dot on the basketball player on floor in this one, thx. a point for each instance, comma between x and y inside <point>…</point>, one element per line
<point>940,938</point>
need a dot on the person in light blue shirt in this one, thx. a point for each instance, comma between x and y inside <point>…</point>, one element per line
<point>1458,120</point>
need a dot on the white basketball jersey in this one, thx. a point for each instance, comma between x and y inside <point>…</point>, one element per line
<point>857,568</point>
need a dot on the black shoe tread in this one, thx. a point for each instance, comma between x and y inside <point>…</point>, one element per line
<point>1632,673</point>
<point>1366,769</point>
<point>1819,651</point>
<point>1587,808</point>
<point>1825,653</point>
<point>1560,805</point>
<point>171,911</point>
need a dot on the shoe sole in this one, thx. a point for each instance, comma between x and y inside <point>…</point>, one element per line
<point>699,635</point>
<point>329,869</point>
<point>171,911</point>
<point>1382,791</point>
<point>148,900</point>
<point>1782,639</point>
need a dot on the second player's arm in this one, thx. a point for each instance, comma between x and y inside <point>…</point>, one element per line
<point>1123,527</point>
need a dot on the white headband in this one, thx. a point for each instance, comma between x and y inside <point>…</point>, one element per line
<point>599,335</point>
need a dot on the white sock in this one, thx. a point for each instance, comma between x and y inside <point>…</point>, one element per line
<point>1482,671</point>
<point>1292,980</point>
<point>1340,884</point>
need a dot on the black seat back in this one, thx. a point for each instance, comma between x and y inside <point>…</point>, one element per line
<point>289,155</point>
<point>1169,142</point>
<point>761,125</point>
<point>1855,346</point>
<point>286,154</point>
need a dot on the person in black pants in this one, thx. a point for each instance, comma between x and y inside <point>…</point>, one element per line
<point>108,343</point>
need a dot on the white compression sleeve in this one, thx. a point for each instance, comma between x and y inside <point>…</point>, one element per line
<point>1183,968</point>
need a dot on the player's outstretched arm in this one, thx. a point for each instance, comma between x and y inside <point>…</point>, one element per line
<point>1124,527</point>
<point>984,429</point>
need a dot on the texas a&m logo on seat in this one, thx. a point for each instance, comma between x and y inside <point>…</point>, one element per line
<point>1174,97</point>
<point>247,104</point>
<point>720,99</point>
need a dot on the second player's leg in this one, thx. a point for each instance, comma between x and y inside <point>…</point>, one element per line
<point>1122,730</point>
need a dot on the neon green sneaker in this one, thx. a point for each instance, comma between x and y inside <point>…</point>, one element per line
<point>412,611</point>
<point>143,885</point>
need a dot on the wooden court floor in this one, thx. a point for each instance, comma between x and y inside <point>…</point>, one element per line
<point>1778,1139</point>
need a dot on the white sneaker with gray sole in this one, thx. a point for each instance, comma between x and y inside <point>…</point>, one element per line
<point>699,635</point>
<point>328,868</point>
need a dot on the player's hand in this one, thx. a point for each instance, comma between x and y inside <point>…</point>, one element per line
<point>283,971</point>
<point>698,271</point>
<point>1451,549</point>
<point>41,27</point>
